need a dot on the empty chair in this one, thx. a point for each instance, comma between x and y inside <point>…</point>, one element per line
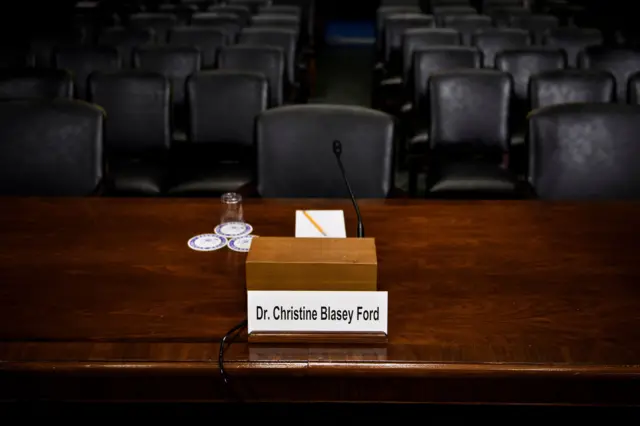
<point>242,12</point>
<point>35,83</point>
<point>537,25</point>
<point>502,15</point>
<point>470,135</point>
<point>621,63</point>
<point>633,89</point>
<point>183,12</point>
<point>137,129</point>
<point>253,5</point>
<point>491,41</point>
<point>467,25</point>
<point>281,9</point>
<point>160,23</point>
<point>381,16</point>
<point>585,152</point>
<point>126,40</point>
<point>174,62</point>
<point>283,39</point>
<point>395,26</point>
<point>266,60</point>
<point>220,155</point>
<point>441,12</point>
<point>230,23</point>
<point>276,21</point>
<point>42,48</point>
<point>81,61</point>
<point>427,62</point>
<point>573,41</point>
<point>207,40</point>
<point>63,157</point>
<point>449,3</point>
<point>571,86</point>
<point>417,39</point>
<point>296,159</point>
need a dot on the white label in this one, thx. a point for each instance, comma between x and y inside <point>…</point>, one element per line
<point>317,311</point>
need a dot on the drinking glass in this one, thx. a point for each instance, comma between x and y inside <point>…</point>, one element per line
<point>231,208</point>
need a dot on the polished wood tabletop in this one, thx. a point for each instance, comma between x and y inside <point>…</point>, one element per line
<point>505,302</point>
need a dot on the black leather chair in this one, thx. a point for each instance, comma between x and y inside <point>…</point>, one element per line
<point>467,25</point>
<point>295,152</point>
<point>207,40</point>
<point>35,83</point>
<point>126,40</point>
<point>265,60</point>
<point>621,63</point>
<point>183,12</point>
<point>573,41</point>
<point>296,81</point>
<point>381,15</point>
<point>394,29</point>
<point>176,63</point>
<point>281,9</point>
<point>537,25</point>
<point>160,23</point>
<point>426,63</point>
<point>571,86</point>
<point>81,61</point>
<point>502,13</point>
<point>585,152</point>
<point>137,129</point>
<point>491,41</point>
<point>469,136</point>
<point>242,12</point>
<point>522,65</point>
<point>441,12</point>
<point>230,23</point>
<point>253,5</point>
<point>633,89</point>
<point>220,154</point>
<point>50,148</point>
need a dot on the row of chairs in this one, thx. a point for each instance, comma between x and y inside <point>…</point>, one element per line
<point>570,158</point>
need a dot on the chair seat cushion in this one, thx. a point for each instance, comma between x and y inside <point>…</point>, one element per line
<point>135,176</point>
<point>213,179</point>
<point>476,178</point>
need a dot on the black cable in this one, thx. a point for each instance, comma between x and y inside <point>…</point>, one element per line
<point>229,338</point>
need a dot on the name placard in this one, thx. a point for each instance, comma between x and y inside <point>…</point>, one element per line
<point>317,311</point>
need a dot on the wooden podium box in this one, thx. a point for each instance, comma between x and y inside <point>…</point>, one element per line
<point>313,264</point>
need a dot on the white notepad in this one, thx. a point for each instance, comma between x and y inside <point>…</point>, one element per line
<point>331,222</point>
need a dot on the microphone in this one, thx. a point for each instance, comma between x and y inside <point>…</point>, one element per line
<point>337,151</point>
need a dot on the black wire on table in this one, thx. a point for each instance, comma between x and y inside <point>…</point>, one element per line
<point>226,342</point>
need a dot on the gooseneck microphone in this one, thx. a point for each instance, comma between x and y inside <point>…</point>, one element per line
<point>337,151</point>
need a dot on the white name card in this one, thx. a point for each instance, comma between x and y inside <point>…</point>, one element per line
<point>317,311</point>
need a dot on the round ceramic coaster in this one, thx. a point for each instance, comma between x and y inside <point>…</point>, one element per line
<point>207,242</point>
<point>233,229</point>
<point>241,244</point>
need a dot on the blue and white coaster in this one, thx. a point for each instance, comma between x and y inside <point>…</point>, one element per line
<point>207,242</point>
<point>233,229</point>
<point>241,244</point>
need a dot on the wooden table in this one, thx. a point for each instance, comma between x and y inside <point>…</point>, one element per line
<point>492,302</point>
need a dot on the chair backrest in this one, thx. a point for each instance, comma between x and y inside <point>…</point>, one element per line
<point>396,25</point>
<point>224,105</point>
<point>242,12</point>
<point>295,155</point>
<point>470,110</point>
<point>35,83</point>
<point>230,23</point>
<point>137,105</point>
<point>573,41</point>
<point>174,62</point>
<point>429,61</point>
<point>161,23</point>
<point>467,25</point>
<point>621,63</point>
<point>416,39</point>
<point>524,63</point>
<point>81,61</point>
<point>571,86</point>
<point>50,148</point>
<point>492,41</point>
<point>266,60</point>
<point>382,14</point>
<point>253,5</point>
<point>126,40</point>
<point>633,89</point>
<point>207,40</point>
<point>275,37</point>
<point>281,9</point>
<point>585,151</point>
<point>441,12</point>
<point>288,22</point>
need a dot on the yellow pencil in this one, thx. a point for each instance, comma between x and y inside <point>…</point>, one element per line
<point>313,222</point>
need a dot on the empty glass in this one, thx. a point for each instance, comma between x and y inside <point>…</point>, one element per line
<point>231,208</point>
